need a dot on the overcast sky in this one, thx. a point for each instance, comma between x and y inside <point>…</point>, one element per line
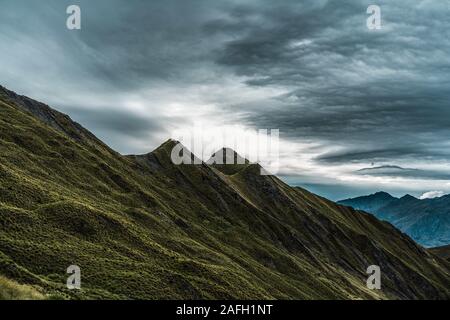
<point>358,110</point>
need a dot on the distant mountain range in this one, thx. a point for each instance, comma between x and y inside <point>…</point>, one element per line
<point>427,221</point>
<point>140,227</point>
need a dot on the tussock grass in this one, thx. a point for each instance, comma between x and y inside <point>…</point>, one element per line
<point>11,290</point>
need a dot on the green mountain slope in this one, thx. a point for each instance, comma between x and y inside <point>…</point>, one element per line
<point>140,227</point>
<point>11,290</point>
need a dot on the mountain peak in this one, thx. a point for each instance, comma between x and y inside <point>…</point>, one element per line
<point>380,195</point>
<point>383,194</point>
<point>227,156</point>
<point>264,233</point>
<point>371,203</point>
<point>55,119</point>
<point>167,145</point>
<point>408,197</point>
<point>169,150</point>
<point>227,161</point>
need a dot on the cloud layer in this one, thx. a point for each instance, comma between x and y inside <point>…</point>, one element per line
<point>344,97</point>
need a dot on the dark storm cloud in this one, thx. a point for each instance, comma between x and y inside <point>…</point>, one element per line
<point>117,120</point>
<point>122,45</point>
<point>122,50</point>
<point>347,156</point>
<point>356,95</point>
<point>384,93</point>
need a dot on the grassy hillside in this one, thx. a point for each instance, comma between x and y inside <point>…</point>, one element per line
<point>11,290</point>
<point>443,252</point>
<point>142,228</point>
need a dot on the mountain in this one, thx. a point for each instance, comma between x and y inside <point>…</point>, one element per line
<point>427,221</point>
<point>370,203</point>
<point>11,290</point>
<point>443,252</point>
<point>140,227</point>
<point>227,161</point>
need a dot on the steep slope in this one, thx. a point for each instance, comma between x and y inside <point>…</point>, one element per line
<point>11,290</point>
<point>227,161</point>
<point>426,221</point>
<point>51,117</point>
<point>141,227</point>
<point>443,252</point>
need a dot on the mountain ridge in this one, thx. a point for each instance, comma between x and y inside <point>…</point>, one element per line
<point>141,227</point>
